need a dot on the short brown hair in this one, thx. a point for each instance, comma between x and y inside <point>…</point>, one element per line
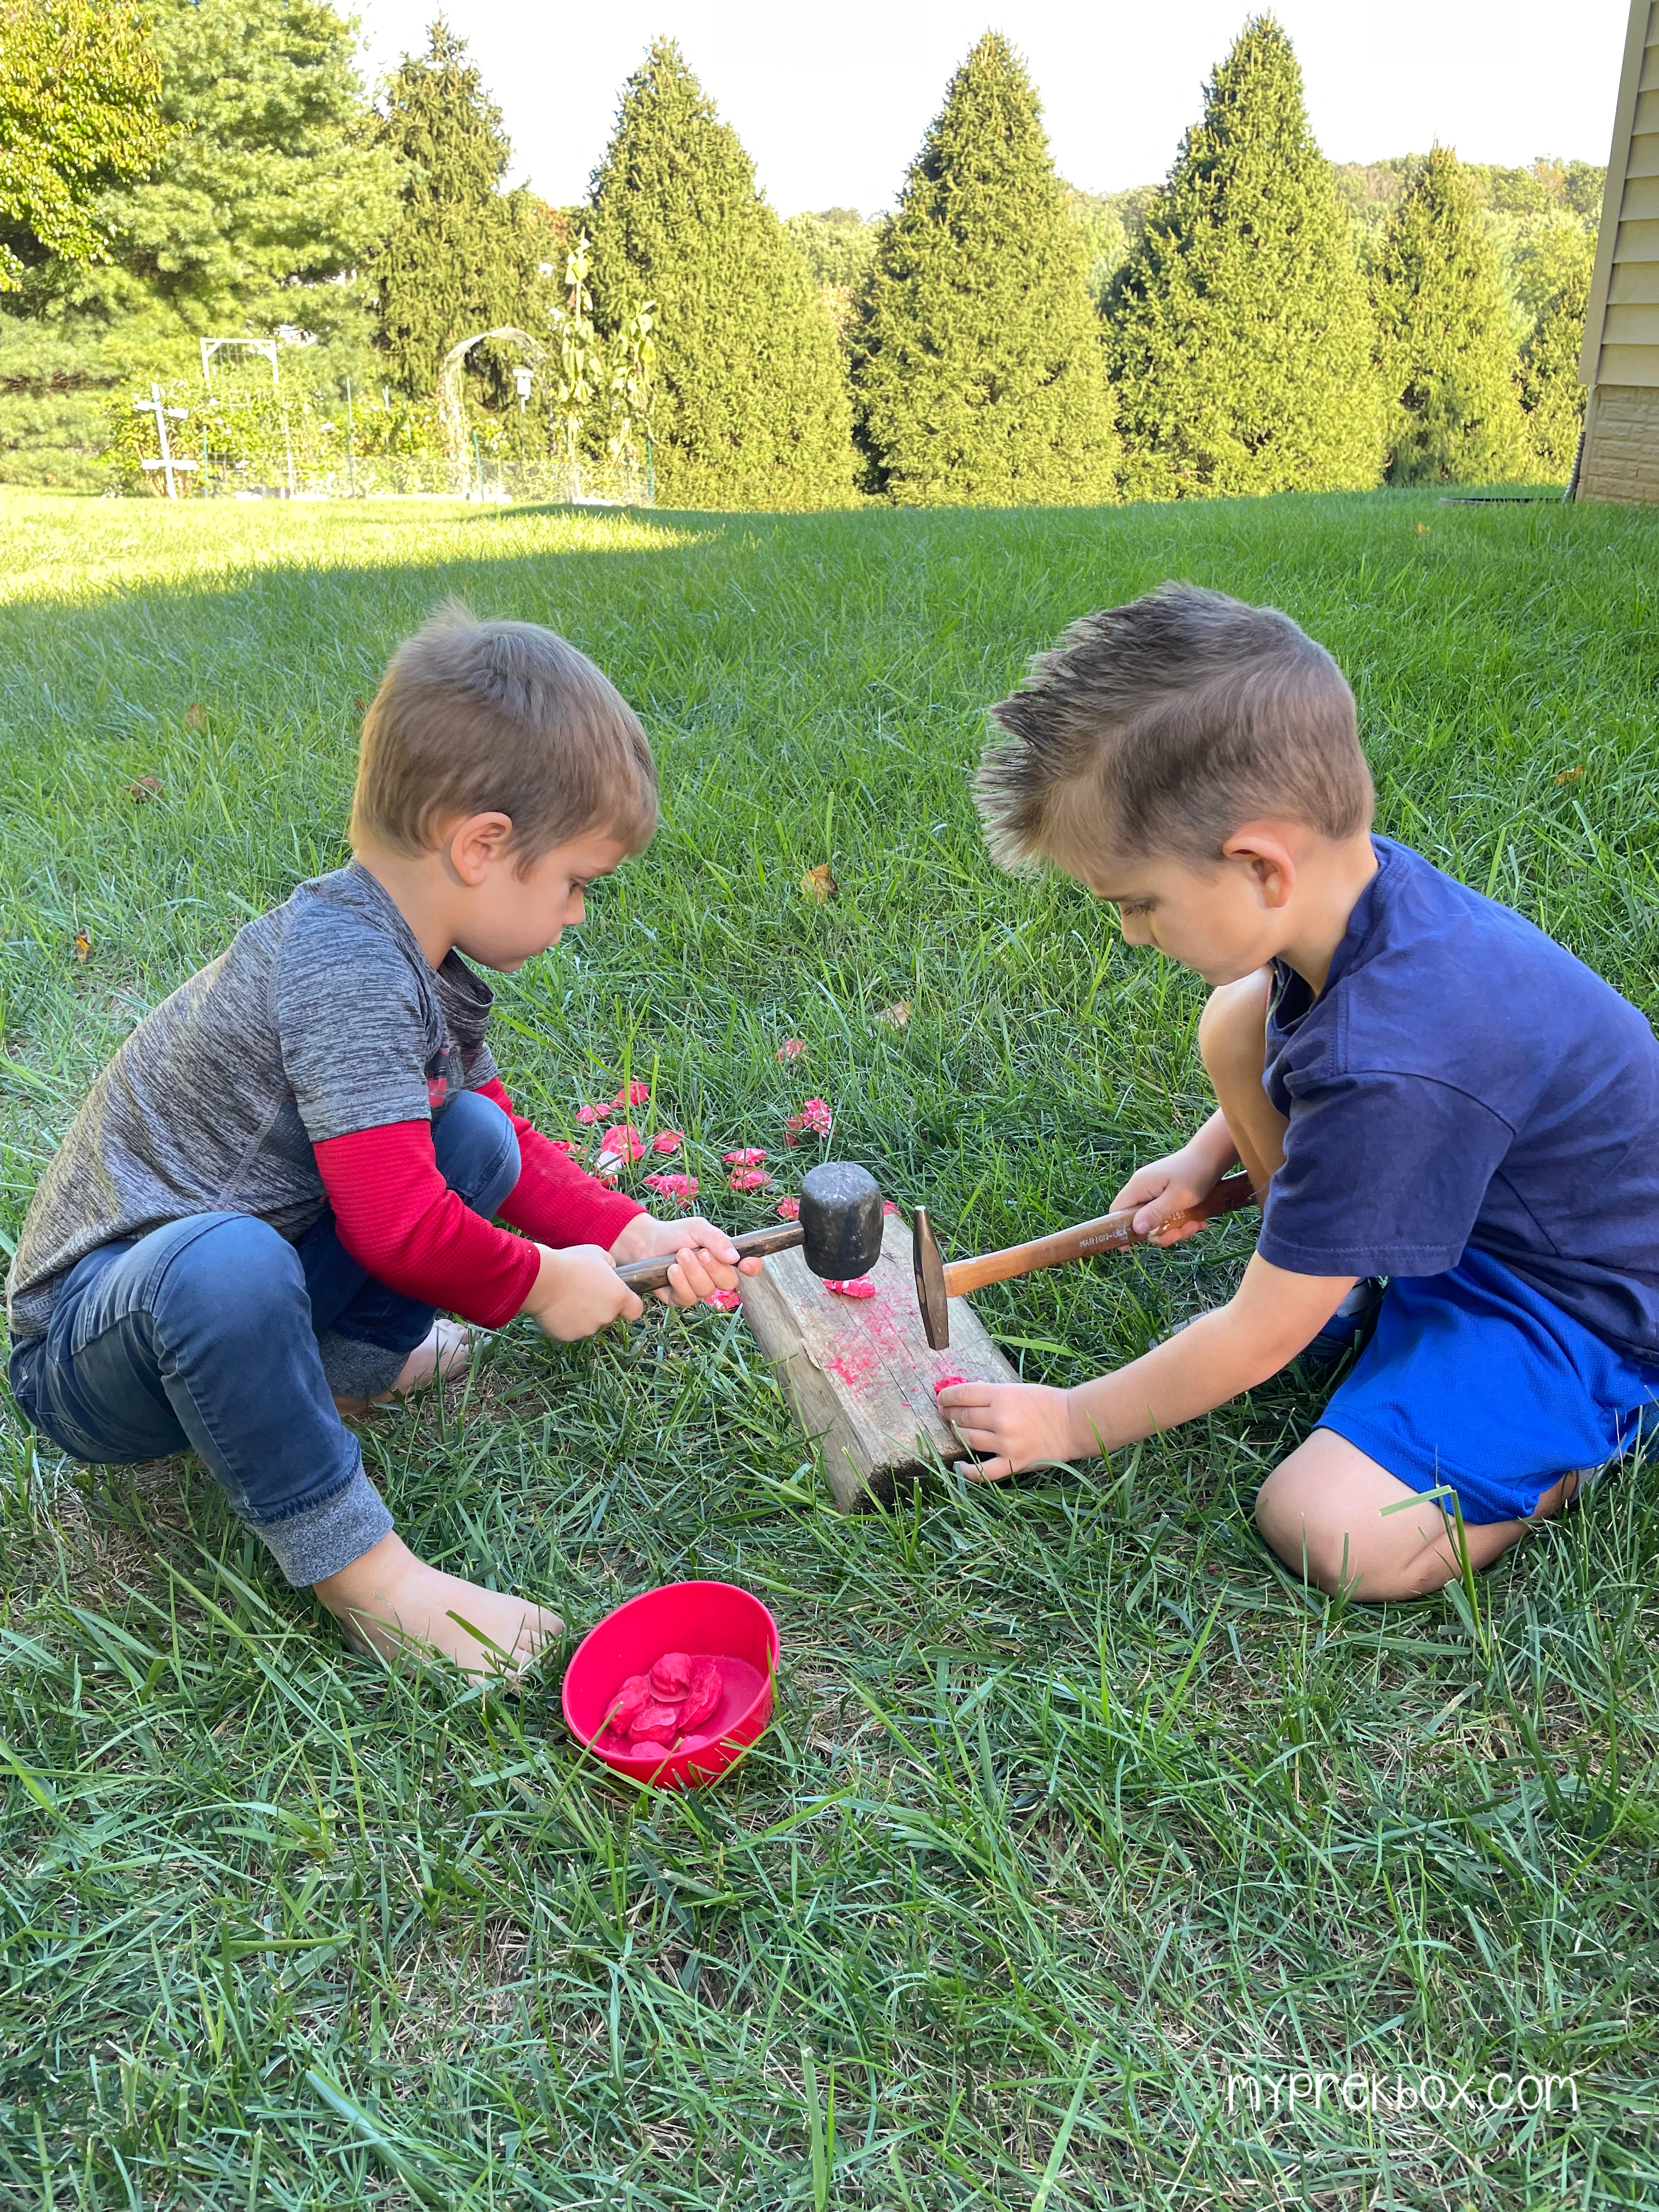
<point>1158,727</point>
<point>485,717</point>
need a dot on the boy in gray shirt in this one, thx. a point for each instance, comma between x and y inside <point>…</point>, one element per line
<point>297,1158</point>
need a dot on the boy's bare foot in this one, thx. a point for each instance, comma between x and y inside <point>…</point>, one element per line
<point>449,1345</point>
<point>446,1351</point>
<point>389,1602</point>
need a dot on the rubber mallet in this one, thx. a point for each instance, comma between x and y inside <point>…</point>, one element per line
<point>839,1230</point>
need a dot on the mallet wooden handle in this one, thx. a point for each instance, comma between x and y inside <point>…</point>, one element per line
<point>1112,1232</point>
<point>643,1275</point>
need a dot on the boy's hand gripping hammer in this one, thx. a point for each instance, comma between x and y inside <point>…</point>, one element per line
<point>939,1280</point>
<point>839,1229</point>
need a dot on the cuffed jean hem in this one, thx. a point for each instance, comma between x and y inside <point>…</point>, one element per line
<point>325,1539</point>
<point>356,1369</point>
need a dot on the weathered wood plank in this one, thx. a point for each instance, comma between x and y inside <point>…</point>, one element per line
<point>858,1373</point>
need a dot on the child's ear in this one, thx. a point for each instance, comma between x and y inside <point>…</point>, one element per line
<point>1269,861</point>
<point>475,844</point>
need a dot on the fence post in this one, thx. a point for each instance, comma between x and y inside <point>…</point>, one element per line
<point>477,456</point>
<point>650,474</point>
<point>351,460</point>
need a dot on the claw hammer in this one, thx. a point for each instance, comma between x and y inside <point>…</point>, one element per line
<point>938,1280</point>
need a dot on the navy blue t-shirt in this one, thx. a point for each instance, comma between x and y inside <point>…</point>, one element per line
<point>1462,1079</point>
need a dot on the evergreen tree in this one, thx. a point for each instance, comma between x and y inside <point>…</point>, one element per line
<point>1444,344</point>
<point>980,370</point>
<point>751,407</point>
<point>265,196</point>
<point>1553,288</point>
<point>1241,337</point>
<point>462,255</point>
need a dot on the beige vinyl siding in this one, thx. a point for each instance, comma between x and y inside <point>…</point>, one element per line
<point>1620,458</point>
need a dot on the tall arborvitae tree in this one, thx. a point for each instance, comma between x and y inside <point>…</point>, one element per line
<point>1444,344</point>
<point>266,198</point>
<point>1553,288</point>
<point>751,405</point>
<point>1240,337</point>
<point>980,370</point>
<point>461,257</point>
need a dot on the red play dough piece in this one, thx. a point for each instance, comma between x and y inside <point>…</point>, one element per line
<point>670,1678</point>
<point>702,1697</point>
<point>945,1382</point>
<point>859,1286</point>
<point>634,1697</point>
<point>664,1704</point>
<point>656,1724</point>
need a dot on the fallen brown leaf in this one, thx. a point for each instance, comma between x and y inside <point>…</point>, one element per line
<point>83,944</point>
<point>195,716</point>
<point>144,789</point>
<point>1572,774</point>
<point>818,882</point>
<point>896,1015</point>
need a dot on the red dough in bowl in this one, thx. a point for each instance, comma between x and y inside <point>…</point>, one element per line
<point>727,1642</point>
<point>670,1677</point>
<point>666,1705</point>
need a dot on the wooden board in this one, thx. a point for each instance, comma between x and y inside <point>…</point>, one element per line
<point>858,1373</point>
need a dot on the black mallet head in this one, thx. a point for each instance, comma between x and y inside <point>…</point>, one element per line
<point>840,1220</point>
<point>839,1232</point>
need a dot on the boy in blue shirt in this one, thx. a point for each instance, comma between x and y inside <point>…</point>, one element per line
<point>1421,1086</point>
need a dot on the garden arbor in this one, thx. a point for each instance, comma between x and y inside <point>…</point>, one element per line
<point>451,415</point>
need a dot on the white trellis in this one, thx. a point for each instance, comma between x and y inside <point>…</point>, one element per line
<point>170,462</point>
<point>267,348</point>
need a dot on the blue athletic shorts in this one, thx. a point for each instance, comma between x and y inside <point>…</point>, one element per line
<point>1474,1381</point>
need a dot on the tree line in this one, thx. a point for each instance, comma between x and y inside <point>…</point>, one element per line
<point>1261,321</point>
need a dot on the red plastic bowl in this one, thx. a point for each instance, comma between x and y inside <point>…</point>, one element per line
<point>707,1620</point>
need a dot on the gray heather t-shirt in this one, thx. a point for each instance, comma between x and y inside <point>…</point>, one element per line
<point>324,1017</point>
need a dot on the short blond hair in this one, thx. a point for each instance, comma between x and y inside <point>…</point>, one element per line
<point>499,717</point>
<point>1158,728</point>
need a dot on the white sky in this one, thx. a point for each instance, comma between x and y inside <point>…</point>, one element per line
<point>831,101</point>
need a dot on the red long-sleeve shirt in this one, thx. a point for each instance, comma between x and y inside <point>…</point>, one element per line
<point>400,1220</point>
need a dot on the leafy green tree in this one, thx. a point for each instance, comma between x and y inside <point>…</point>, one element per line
<point>1111,222</point>
<point>266,197</point>
<point>1552,285</point>
<point>1240,337</point>
<point>1444,343</point>
<point>80,110</point>
<point>462,255</point>
<point>979,366</point>
<point>837,245</point>
<point>750,406</point>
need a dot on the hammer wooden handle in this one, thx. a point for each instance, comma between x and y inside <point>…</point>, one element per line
<point>642,1275</point>
<point>1112,1232</point>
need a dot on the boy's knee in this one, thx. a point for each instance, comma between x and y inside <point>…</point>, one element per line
<point>236,1276</point>
<point>1308,1540</point>
<point>1232,1030</point>
<point>477,1150</point>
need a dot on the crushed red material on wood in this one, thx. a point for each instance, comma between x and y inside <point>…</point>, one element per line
<point>858,1286</point>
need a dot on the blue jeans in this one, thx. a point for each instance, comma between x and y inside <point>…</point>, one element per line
<point>214,1332</point>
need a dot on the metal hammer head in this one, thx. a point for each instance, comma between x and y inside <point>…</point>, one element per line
<point>930,1282</point>
<point>841,1220</point>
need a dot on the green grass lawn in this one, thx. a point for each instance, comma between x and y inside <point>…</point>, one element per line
<point>1075,1807</point>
